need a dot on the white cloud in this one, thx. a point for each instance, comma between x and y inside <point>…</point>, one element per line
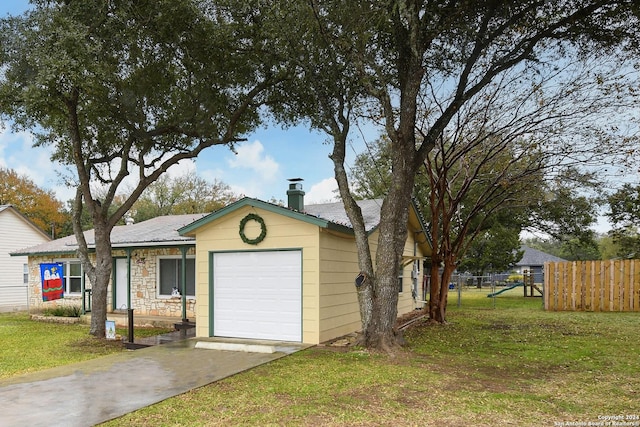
<point>252,172</point>
<point>322,192</point>
<point>213,175</point>
<point>64,193</point>
<point>18,153</point>
<point>242,191</point>
<point>251,156</point>
<point>182,168</point>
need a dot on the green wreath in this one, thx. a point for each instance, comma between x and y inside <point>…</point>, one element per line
<point>263,229</point>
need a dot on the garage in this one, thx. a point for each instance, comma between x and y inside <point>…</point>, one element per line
<point>249,261</point>
<point>257,295</point>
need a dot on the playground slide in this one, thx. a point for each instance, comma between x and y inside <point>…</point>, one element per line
<point>508,288</point>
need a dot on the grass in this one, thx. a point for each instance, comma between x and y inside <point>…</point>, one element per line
<point>28,345</point>
<point>513,365</point>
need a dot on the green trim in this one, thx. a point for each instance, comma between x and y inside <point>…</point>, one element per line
<point>228,251</point>
<point>114,285</point>
<point>255,203</point>
<point>82,292</point>
<point>281,210</point>
<point>114,293</point>
<point>183,280</point>
<point>129,250</point>
<point>73,252</point>
<point>211,274</point>
<point>302,296</point>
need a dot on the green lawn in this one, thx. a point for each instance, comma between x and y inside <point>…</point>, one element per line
<point>512,365</point>
<point>27,345</point>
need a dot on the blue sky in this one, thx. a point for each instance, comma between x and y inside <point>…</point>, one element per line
<point>260,168</point>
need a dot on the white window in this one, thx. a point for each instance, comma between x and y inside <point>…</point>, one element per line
<point>400,274</point>
<point>170,273</point>
<point>72,269</point>
<point>25,273</point>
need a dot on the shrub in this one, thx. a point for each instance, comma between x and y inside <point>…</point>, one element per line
<point>63,311</point>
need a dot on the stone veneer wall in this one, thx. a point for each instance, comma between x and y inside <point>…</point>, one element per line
<point>144,294</point>
<point>35,285</point>
<point>144,287</point>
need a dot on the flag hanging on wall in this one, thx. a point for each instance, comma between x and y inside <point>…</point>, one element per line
<point>52,281</point>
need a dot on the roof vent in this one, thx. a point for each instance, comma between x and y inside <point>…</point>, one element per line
<point>295,195</point>
<point>128,219</point>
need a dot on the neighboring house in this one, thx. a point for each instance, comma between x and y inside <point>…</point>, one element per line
<point>533,261</point>
<point>254,269</point>
<point>297,281</point>
<point>16,232</point>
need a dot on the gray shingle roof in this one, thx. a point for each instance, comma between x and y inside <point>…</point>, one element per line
<point>156,231</point>
<point>336,213</point>
<point>533,257</point>
<point>162,230</point>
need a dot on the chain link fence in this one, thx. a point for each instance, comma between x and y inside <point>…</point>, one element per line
<point>485,291</point>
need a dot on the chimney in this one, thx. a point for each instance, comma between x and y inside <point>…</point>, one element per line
<point>295,195</point>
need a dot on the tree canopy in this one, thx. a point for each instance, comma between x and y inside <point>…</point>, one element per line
<point>120,88</point>
<point>39,205</point>
<point>624,215</point>
<point>496,249</point>
<point>412,67</point>
<point>184,194</point>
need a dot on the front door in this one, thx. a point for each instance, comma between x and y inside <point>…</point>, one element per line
<point>121,284</point>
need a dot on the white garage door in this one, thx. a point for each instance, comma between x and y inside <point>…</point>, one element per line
<point>258,295</point>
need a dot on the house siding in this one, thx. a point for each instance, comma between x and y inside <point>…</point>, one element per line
<point>283,233</point>
<point>15,234</point>
<point>339,309</point>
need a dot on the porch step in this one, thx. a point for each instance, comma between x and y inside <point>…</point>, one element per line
<point>228,346</point>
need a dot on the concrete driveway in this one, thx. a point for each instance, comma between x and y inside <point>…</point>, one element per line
<point>91,392</point>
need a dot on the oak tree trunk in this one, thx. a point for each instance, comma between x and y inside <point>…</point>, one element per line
<point>100,282</point>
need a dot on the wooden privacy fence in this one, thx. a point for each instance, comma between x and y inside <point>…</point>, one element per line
<point>612,285</point>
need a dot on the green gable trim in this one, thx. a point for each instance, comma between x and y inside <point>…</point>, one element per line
<point>281,210</point>
<point>269,207</point>
<point>422,221</point>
